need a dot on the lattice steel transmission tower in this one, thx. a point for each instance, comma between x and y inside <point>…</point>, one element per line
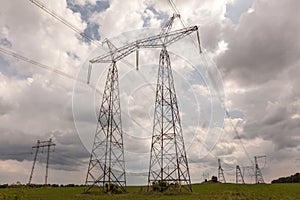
<point>249,170</point>
<point>107,164</point>
<point>174,167</point>
<point>221,176</point>
<point>41,144</point>
<point>258,175</point>
<point>239,176</point>
<point>168,161</point>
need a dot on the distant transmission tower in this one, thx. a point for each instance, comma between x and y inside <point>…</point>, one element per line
<point>221,176</point>
<point>205,176</point>
<point>258,175</point>
<point>107,164</point>
<point>38,145</point>
<point>249,170</point>
<point>239,176</point>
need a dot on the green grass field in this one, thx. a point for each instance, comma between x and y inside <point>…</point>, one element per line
<point>200,191</point>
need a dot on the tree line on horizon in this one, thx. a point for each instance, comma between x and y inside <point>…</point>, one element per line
<point>289,179</point>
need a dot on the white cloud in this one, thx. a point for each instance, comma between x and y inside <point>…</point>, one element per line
<point>295,116</point>
<point>258,58</point>
<point>121,16</point>
<point>84,2</point>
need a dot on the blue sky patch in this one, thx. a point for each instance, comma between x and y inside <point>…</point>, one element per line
<point>4,66</point>
<point>235,10</point>
<point>5,42</point>
<point>159,15</point>
<point>86,11</point>
<point>235,114</point>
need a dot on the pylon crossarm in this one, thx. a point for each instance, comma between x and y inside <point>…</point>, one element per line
<point>157,41</point>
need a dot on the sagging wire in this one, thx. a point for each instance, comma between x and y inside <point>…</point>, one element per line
<point>226,111</point>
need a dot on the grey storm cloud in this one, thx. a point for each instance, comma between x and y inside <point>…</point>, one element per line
<point>263,58</point>
<point>5,107</point>
<point>66,155</point>
<point>264,44</point>
<point>69,151</point>
<point>15,145</point>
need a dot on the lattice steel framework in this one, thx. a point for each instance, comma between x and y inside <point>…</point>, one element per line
<point>258,175</point>
<point>168,161</point>
<point>221,176</point>
<point>239,176</point>
<point>107,165</point>
<point>104,171</point>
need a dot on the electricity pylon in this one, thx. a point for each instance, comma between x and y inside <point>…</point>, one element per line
<point>221,176</point>
<point>250,171</point>
<point>258,175</point>
<point>176,174</point>
<point>168,161</point>
<point>39,145</point>
<point>239,176</point>
<point>107,164</point>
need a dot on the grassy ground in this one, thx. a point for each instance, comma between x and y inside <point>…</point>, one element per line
<point>200,191</point>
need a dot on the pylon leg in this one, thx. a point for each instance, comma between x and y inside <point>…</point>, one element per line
<point>34,161</point>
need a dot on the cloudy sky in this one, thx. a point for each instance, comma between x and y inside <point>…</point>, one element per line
<point>254,44</point>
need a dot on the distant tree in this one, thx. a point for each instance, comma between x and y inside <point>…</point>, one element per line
<point>54,185</point>
<point>214,179</point>
<point>160,186</point>
<point>4,186</point>
<point>290,179</point>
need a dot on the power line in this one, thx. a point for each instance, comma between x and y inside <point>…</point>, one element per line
<point>238,135</point>
<point>226,111</point>
<point>77,30</point>
<point>23,58</point>
<point>65,22</point>
<point>229,117</point>
<point>61,73</point>
<point>14,153</point>
<point>184,25</point>
<point>43,66</point>
<point>71,26</point>
<point>95,42</point>
<point>82,34</point>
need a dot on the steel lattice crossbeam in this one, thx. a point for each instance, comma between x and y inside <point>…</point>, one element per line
<point>157,41</point>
